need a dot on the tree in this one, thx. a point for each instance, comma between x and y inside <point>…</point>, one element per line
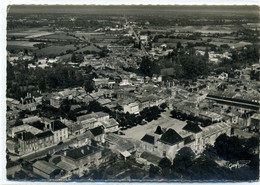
<point>183,160</point>
<point>25,51</point>
<point>18,122</point>
<point>73,57</point>
<point>148,67</point>
<point>10,72</point>
<point>163,106</point>
<point>75,176</point>
<point>229,147</point>
<point>89,86</point>
<point>209,152</point>
<point>251,145</point>
<point>179,45</point>
<point>154,171</point>
<point>165,163</point>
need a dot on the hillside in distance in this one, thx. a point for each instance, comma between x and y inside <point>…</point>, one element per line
<point>163,10</point>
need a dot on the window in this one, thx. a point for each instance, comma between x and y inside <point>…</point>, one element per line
<point>164,153</point>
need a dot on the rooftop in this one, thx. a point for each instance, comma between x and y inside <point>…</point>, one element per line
<point>44,134</point>
<point>26,136</point>
<point>78,153</point>
<point>46,167</point>
<point>97,131</point>
<point>189,139</point>
<point>148,139</point>
<point>192,127</point>
<point>57,125</point>
<point>150,157</point>
<point>171,137</point>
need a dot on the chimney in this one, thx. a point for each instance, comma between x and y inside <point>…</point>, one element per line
<point>82,151</point>
<point>65,153</point>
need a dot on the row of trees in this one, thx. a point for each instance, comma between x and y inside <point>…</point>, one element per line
<point>239,59</point>
<point>20,79</point>
<point>190,118</point>
<point>186,64</point>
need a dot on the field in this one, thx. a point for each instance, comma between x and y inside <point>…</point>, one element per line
<point>207,29</point>
<point>66,57</point>
<point>54,50</point>
<point>20,45</point>
<point>235,45</point>
<point>28,33</point>
<point>57,36</point>
<point>89,48</point>
<point>96,35</point>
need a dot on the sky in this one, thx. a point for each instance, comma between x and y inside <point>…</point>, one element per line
<point>106,2</point>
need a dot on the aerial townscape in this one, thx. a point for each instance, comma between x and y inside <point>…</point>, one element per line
<point>132,93</point>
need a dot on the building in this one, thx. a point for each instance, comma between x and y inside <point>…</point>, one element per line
<point>56,101</point>
<point>28,103</point>
<point>12,115</point>
<point>236,103</point>
<point>211,116</point>
<point>27,143</point>
<point>84,158</point>
<point>59,130</point>
<point>132,108</point>
<point>148,159</point>
<point>149,143</point>
<point>11,168</point>
<point>194,140</point>
<point>100,82</point>
<point>12,103</point>
<point>45,139</point>
<point>169,144</point>
<point>46,170</point>
<point>143,103</point>
<point>110,125</point>
<point>211,132</point>
<point>89,121</point>
<point>255,121</point>
<point>97,134</point>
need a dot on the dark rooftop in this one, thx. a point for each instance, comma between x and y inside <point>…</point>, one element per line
<point>57,125</point>
<point>148,138</point>
<point>150,157</point>
<point>44,134</point>
<point>97,131</point>
<point>192,127</point>
<point>171,137</point>
<point>26,136</point>
<point>38,125</point>
<point>10,164</point>
<point>81,152</point>
<point>189,139</point>
<point>158,131</point>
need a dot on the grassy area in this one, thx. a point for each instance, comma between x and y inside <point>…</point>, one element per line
<point>58,36</point>
<point>28,33</point>
<point>54,50</point>
<point>89,48</point>
<point>21,43</point>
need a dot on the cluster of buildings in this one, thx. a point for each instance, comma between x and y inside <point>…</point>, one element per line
<point>60,147</point>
